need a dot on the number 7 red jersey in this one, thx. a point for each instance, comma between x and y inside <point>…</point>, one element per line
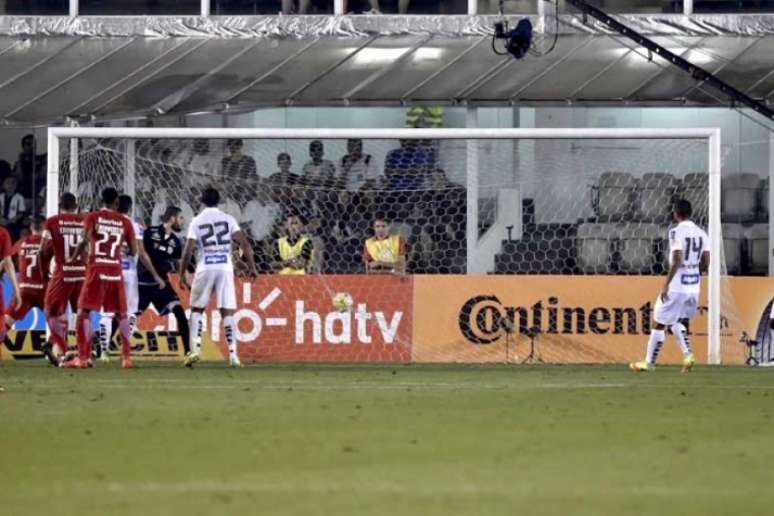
<point>65,230</point>
<point>109,230</point>
<point>30,269</point>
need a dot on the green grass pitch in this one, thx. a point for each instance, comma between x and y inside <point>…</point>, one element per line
<point>385,440</point>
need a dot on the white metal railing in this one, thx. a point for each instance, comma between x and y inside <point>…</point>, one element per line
<point>338,8</point>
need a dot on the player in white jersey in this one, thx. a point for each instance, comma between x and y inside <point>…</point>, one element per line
<point>213,232</point>
<point>131,288</point>
<point>676,304</point>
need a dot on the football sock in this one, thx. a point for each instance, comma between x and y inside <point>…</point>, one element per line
<point>57,333</point>
<point>654,345</point>
<point>105,332</point>
<point>230,331</point>
<point>196,331</point>
<point>132,324</point>
<point>182,327</point>
<point>83,334</point>
<point>125,333</point>
<point>681,334</point>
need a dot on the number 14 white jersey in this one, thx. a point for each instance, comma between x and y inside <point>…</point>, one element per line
<point>693,242</point>
<point>212,230</point>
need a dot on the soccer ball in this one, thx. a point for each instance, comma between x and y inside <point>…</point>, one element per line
<point>342,302</point>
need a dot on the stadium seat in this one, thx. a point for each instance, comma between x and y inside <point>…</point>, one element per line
<point>739,197</point>
<point>613,197</point>
<point>758,245</point>
<point>594,247</point>
<point>733,240</point>
<point>695,188</point>
<point>638,246</point>
<point>655,195</point>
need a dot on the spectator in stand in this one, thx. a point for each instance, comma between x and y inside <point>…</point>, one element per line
<point>318,171</point>
<point>384,253</point>
<point>346,233</point>
<point>407,167</point>
<point>356,170</point>
<point>284,177</point>
<point>12,207</point>
<point>237,165</point>
<point>30,169</point>
<point>5,170</point>
<point>260,217</point>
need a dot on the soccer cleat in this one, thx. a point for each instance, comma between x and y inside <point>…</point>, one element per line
<point>191,359</point>
<point>104,358</point>
<point>49,353</point>
<point>688,363</point>
<point>75,363</point>
<point>641,366</point>
<point>126,362</point>
<point>235,362</point>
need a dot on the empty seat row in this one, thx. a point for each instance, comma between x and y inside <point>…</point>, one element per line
<point>746,248</point>
<point>635,248</point>
<point>744,198</point>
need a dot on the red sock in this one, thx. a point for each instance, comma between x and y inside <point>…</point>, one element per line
<point>57,333</point>
<point>123,331</point>
<point>83,334</point>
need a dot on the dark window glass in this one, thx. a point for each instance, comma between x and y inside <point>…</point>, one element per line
<point>406,6</point>
<point>34,7</point>
<point>136,7</point>
<point>610,6</point>
<point>247,7</point>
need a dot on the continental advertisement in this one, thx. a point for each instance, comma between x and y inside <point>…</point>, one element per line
<point>444,318</point>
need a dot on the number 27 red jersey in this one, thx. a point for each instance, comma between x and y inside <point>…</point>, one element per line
<point>109,229</point>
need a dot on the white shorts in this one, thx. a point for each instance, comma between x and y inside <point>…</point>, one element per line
<point>680,305</point>
<point>132,290</point>
<point>219,282</point>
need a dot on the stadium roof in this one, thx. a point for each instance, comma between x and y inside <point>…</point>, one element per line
<point>107,68</point>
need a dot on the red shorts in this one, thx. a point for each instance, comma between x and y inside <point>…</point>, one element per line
<point>103,294</point>
<point>61,291</point>
<point>31,298</point>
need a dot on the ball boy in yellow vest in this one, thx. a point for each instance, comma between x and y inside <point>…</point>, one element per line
<point>384,253</point>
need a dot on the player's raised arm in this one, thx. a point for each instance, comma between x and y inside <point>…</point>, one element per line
<point>82,248</point>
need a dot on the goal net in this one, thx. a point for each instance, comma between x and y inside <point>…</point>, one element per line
<point>510,238</point>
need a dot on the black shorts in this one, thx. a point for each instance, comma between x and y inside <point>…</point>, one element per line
<point>162,299</point>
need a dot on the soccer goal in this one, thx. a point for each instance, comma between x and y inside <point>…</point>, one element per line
<point>506,235</point>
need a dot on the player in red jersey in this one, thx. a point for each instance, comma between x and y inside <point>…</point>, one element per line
<point>7,267</point>
<point>60,237</point>
<point>104,232</point>
<point>32,277</point>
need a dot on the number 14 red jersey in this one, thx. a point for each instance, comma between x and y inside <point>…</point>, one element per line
<point>65,230</point>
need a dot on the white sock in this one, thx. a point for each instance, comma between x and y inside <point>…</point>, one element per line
<point>196,332</point>
<point>105,330</point>
<point>230,331</point>
<point>132,324</point>
<point>655,341</point>
<point>681,334</point>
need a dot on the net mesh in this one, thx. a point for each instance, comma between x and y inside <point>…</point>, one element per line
<point>572,214</point>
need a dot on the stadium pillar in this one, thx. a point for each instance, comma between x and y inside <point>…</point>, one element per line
<point>472,6</point>
<point>687,7</point>
<point>73,10</point>
<point>205,8</point>
<point>471,182</point>
<point>771,203</point>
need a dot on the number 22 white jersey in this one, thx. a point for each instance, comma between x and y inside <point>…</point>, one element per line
<point>693,242</point>
<point>213,230</point>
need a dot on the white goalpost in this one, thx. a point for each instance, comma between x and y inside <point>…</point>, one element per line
<point>518,157</point>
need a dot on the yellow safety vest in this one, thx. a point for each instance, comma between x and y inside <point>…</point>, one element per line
<point>424,116</point>
<point>289,251</point>
<point>384,250</point>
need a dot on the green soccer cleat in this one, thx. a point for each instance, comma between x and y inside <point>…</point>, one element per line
<point>642,366</point>
<point>190,359</point>
<point>104,358</point>
<point>688,363</point>
<point>235,362</point>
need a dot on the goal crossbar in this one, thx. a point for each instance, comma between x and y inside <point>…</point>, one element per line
<point>711,135</point>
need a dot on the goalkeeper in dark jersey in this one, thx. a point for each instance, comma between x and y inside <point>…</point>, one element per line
<point>164,249</point>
